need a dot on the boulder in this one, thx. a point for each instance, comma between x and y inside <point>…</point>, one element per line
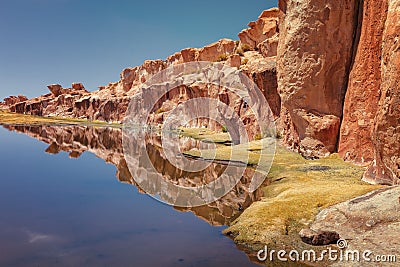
<point>55,89</point>
<point>369,222</point>
<point>78,86</point>
<point>319,238</point>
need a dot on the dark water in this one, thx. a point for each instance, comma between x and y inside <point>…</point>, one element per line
<point>58,211</point>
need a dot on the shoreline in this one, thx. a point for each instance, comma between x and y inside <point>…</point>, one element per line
<point>296,189</point>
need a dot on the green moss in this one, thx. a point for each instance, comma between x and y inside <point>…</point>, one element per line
<point>206,135</point>
<point>297,190</point>
<point>17,119</point>
<point>222,57</point>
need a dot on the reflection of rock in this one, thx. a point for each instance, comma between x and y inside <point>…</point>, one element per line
<point>106,143</point>
<point>369,222</point>
<point>182,187</point>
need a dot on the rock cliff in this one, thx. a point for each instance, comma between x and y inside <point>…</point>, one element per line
<point>338,79</point>
<point>363,86</point>
<point>110,102</point>
<point>314,56</point>
<point>385,167</point>
<point>328,68</point>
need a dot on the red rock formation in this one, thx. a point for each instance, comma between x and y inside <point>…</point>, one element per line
<point>364,86</point>
<point>338,90</point>
<point>55,89</point>
<point>314,55</point>
<point>386,135</point>
<point>110,102</point>
<point>315,51</point>
<point>263,33</point>
<point>12,100</point>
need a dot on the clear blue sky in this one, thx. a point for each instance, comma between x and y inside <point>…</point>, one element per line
<point>91,41</point>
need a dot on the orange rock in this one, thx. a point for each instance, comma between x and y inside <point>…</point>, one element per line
<point>266,26</point>
<point>234,61</point>
<point>110,102</point>
<point>363,90</point>
<point>78,86</point>
<point>314,55</point>
<point>55,89</point>
<point>386,134</point>
<point>214,51</point>
<point>12,100</point>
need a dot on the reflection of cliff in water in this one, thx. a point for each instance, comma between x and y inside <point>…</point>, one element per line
<point>106,143</point>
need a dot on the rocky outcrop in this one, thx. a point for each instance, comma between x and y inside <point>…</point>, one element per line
<point>262,34</point>
<point>110,102</point>
<point>314,55</point>
<point>364,86</point>
<point>386,134</point>
<point>55,89</point>
<point>337,67</point>
<point>12,100</point>
<point>368,222</point>
<point>327,69</point>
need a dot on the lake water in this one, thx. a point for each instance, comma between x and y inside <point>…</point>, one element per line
<point>61,204</point>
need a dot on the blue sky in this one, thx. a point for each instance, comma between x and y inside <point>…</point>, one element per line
<point>65,41</point>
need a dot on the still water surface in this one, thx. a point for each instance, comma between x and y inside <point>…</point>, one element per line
<point>62,211</point>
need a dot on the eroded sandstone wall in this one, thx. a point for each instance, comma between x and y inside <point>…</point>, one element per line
<point>314,56</point>
<point>363,90</point>
<point>330,48</point>
<point>386,133</point>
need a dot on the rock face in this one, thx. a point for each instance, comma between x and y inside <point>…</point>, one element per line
<point>337,67</point>
<point>314,55</point>
<point>386,135</point>
<point>364,86</point>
